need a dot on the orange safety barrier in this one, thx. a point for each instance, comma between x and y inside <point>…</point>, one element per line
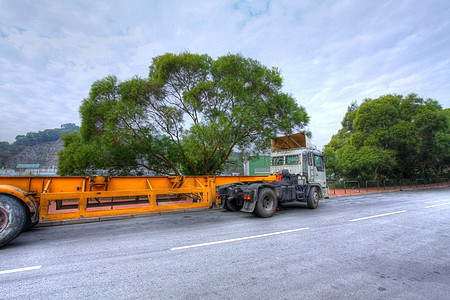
<point>61,198</point>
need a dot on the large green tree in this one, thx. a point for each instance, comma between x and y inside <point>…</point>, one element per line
<point>187,117</point>
<point>391,136</point>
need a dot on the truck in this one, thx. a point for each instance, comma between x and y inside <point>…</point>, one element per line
<point>297,174</point>
<point>301,177</point>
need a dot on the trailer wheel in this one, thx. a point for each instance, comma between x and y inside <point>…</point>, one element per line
<point>267,203</point>
<point>231,205</point>
<point>313,198</point>
<point>13,218</point>
<point>30,224</point>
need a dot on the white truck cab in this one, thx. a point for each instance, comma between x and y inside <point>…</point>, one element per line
<point>295,154</point>
<point>301,177</point>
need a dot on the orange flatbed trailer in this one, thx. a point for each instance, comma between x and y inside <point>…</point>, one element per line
<point>26,201</point>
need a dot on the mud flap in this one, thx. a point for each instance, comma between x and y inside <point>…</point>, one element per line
<point>220,203</point>
<point>249,206</point>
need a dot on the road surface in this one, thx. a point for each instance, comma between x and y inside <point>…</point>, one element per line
<point>380,246</point>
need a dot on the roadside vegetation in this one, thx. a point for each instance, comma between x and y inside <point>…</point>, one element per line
<point>391,137</point>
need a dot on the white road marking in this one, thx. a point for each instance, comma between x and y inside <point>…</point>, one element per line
<point>442,204</point>
<point>382,215</point>
<point>20,270</point>
<point>239,239</point>
<point>433,201</point>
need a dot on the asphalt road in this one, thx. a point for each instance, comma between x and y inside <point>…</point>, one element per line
<point>381,246</point>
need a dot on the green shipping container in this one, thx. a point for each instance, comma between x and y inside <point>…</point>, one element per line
<point>259,165</point>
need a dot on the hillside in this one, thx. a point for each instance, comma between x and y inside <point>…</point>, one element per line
<point>44,154</point>
<point>35,148</point>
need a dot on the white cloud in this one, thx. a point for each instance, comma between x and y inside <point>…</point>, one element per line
<point>330,53</point>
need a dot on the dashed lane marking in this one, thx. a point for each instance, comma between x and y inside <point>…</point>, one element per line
<point>376,216</point>
<point>20,270</point>
<point>239,239</point>
<point>436,205</point>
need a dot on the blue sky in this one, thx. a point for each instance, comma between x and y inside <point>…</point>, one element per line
<point>330,53</point>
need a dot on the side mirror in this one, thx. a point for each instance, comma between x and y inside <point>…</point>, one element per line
<point>324,159</point>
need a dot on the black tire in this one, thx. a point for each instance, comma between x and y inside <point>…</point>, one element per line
<point>267,203</point>
<point>313,198</point>
<point>232,205</point>
<point>13,218</point>
<point>30,224</point>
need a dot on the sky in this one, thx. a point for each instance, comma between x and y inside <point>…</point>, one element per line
<point>330,53</point>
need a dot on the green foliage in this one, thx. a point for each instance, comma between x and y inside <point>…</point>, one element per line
<point>187,117</point>
<point>391,136</point>
<point>6,151</point>
<point>33,138</point>
<point>234,164</point>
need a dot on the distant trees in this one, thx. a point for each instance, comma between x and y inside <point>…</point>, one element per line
<point>391,137</point>
<point>7,150</point>
<point>187,117</point>
<point>33,138</point>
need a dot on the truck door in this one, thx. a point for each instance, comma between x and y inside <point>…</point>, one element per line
<point>319,170</point>
<point>305,164</point>
<point>311,167</point>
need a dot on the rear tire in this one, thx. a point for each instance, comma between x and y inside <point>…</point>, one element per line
<point>13,218</point>
<point>30,224</point>
<point>313,198</point>
<point>267,203</point>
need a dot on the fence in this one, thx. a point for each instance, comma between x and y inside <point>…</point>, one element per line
<point>354,186</point>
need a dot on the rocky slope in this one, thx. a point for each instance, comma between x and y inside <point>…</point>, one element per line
<point>44,154</point>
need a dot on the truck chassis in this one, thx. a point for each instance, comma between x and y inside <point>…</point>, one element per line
<point>263,199</point>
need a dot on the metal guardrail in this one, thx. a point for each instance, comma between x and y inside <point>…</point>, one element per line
<point>332,182</point>
<point>404,180</point>
<point>386,183</point>
<point>371,181</point>
<point>346,182</point>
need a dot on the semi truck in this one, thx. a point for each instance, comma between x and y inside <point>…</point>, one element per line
<point>297,174</point>
<point>301,177</point>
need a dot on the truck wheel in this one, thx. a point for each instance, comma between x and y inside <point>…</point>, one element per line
<point>13,218</point>
<point>30,224</point>
<point>232,205</point>
<point>267,203</point>
<point>313,198</point>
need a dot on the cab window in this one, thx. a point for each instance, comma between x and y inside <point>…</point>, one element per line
<point>292,159</point>
<point>318,162</point>
<point>277,161</point>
